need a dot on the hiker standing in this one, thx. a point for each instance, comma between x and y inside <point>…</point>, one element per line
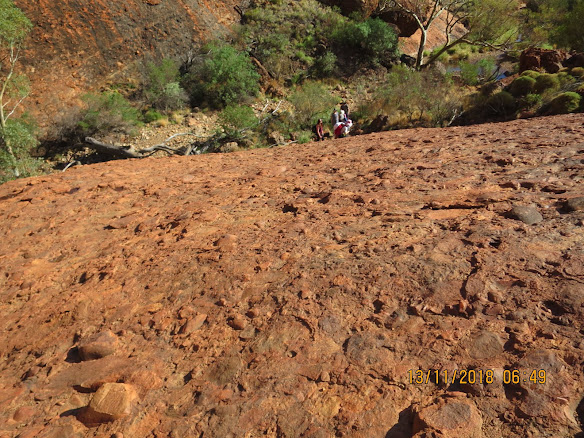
<point>334,117</point>
<point>345,108</point>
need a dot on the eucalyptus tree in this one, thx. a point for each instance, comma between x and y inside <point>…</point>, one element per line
<point>488,23</point>
<point>15,132</point>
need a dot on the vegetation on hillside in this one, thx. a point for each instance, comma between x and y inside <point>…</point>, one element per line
<point>289,64</point>
<point>17,130</point>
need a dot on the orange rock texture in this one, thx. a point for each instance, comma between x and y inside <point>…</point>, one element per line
<point>296,291</point>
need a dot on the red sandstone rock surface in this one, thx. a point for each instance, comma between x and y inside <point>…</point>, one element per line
<point>287,292</point>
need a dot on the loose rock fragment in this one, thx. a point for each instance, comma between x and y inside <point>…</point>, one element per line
<point>193,324</point>
<point>237,322</point>
<point>526,214</point>
<point>100,345</point>
<point>575,204</point>
<point>111,402</point>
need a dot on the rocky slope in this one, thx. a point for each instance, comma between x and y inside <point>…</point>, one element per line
<point>288,291</point>
<point>75,46</point>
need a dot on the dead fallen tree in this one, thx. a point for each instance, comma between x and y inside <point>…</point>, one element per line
<point>208,144</point>
<point>200,145</point>
<point>129,151</point>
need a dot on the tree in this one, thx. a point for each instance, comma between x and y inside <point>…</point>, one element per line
<point>569,34</point>
<point>14,132</point>
<point>221,77</point>
<point>557,22</point>
<point>488,23</point>
<point>163,90</point>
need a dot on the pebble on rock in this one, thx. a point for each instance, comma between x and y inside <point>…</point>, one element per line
<point>238,322</point>
<point>193,324</point>
<point>526,214</point>
<point>575,204</point>
<point>100,345</point>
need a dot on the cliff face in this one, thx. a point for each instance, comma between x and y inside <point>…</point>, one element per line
<point>75,44</point>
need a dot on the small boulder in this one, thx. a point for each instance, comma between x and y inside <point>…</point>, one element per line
<point>237,322</point>
<point>193,324</point>
<point>97,346</point>
<point>526,214</point>
<point>575,204</point>
<point>111,402</point>
<point>275,138</point>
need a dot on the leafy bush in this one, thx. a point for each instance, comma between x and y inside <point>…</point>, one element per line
<point>532,100</point>
<point>425,97</point>
<point>577,72</point>
<point>291,37</point>
<point>238,117</point>
<point>522,86</point>
<point>305,137</point>
<point>372,39</point>
<point>107,112</point>
<point>473,73</point>
<point>531,73</point>
<point>568,31</point>
<point>325,65</point>
<point>546,82</point>
<point>152,116</point>
<point>564,103</point>
<point>162,89</point>
<point>20,134</point>
<point>221,77</point>
<point>500,104</point>
<point>312,102</point>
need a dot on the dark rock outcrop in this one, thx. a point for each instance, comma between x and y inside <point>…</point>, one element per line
<point>535,58</point>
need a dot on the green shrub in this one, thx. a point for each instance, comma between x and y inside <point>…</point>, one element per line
<point>107,112</point>
<point>577,72</point>
<point>564,103</point>
<point>162,88</point>
<point>522,86</point>
<point>532,100</point>
<point>531,73</point>
<point>567,31</point>
<point>305,137</point>
<point>221,77</point>
<point>20,134</point>
<point>290,37</point>
<point>474,73</point>
<point>425,97</point>
<point>238,117</point>
<point>469,72</point>
<point>325,65</point>
<point>565,78</point>
<point>546,82</point>
<point>312,102</point>
<point>372,39</point>
<point>151,116</point>
<point>500,104</point>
